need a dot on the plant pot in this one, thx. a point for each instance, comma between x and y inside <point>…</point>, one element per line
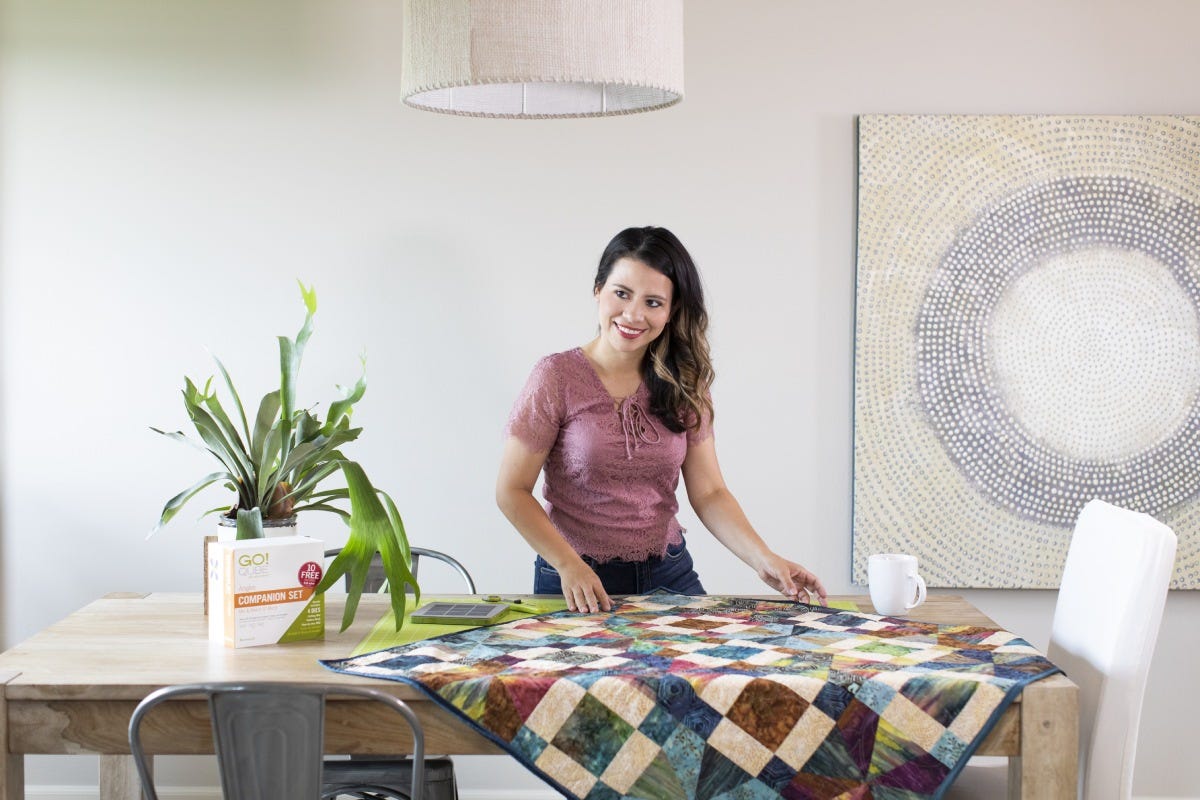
<point>227,532</point>
<point>227,527</point>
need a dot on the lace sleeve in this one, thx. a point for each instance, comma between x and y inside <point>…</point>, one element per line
<point>539,410</point>
<point>703,432</point>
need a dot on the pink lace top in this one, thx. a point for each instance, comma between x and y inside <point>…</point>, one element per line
<point>610,476</point>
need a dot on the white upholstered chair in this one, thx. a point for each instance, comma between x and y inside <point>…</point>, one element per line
<point>1106,621</point>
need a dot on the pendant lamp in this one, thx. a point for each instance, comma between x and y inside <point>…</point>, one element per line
<point>535,59</point>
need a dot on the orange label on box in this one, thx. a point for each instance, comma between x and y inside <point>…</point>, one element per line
<point>248,599</point>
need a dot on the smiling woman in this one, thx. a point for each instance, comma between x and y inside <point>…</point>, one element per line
<point>613,424</point>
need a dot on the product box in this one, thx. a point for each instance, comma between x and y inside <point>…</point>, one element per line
<point>260,591</point>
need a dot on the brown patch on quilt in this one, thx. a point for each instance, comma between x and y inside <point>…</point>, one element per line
<point>767,710</point>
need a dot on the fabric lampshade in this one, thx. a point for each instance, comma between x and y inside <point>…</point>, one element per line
<point>542,58</point>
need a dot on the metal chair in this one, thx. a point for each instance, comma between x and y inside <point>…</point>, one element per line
<point>377,581</point>
<point>1106,622</point>
<point>440,783</point>
<point>269,740</point>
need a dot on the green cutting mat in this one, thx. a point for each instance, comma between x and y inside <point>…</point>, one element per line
<point>385,635</point>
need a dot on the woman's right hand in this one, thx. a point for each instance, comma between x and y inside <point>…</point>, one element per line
<point>519,469</point>
<point>582,589</point>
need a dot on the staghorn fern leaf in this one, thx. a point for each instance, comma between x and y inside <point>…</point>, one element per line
<point>268,413</point>
<point>222,509</point>
<point>249,523</point>
<point>341,512</point>
<point>290,353</point>
<point>371,531</point>
<point>210,432</point>
<point>304,487</point>
<point>237,448</point>
<point>308,427</point>
<point>266,461</point>
<point>177,502</point>
<point>398,524</point>
<point>181,437</point>
<point>340,409</point>
<point>237,401</point>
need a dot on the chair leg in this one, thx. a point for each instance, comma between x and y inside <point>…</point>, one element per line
<point>439,780</point>
<point>440,783</point>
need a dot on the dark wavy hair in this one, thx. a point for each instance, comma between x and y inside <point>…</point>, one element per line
<point>677,369</point>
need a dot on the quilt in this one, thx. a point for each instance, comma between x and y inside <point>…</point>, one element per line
<point>724,698</point>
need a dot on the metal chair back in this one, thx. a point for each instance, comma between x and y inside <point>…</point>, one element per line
<point>377,581</point>
<point>269,739</point>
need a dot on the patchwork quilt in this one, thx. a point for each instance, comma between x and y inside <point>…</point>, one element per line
<point>721,698</point>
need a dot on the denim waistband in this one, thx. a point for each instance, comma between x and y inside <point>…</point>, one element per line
<point>617,562</point>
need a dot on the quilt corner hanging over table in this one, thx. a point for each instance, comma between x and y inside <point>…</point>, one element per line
<point>723,698</point>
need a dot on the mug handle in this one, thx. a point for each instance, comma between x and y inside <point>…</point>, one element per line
<point>920,591</point>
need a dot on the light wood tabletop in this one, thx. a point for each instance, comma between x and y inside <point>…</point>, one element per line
<point>71,689</point>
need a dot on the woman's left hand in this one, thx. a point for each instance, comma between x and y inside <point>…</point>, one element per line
<point>791,579</point>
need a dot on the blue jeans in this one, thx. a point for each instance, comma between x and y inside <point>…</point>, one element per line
<point>673,572</point>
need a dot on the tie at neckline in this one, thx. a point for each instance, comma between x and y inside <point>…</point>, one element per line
<point>637,427</point>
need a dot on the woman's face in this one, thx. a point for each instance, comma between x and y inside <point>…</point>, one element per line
<point>634,305</point>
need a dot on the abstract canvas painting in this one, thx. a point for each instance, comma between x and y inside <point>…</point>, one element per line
<point>1027,338</point>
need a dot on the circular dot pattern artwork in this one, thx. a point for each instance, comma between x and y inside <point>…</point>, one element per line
<point>1027,338</point>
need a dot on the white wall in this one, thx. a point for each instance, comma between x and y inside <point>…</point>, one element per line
<point>168,169</point>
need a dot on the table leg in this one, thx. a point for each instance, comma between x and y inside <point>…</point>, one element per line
<point>1048,767</point>
<point>12,777</point>
<point>119,778</point>
<point>12,765</point>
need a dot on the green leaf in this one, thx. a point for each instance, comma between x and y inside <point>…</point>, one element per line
<point>308,428</point>
<point>341,512</point>
<point>213,404</point>
<point>237,447</point>
<point>179,436</point>
<point>301,455</point>
<point>212,435</point>
<point>331,494</point>
<point>289,365</point>
<point>308,466</point>
<point>249,523</point>
<point>268,415</point>
<point>325,449</point>
<point>304,459</point>
<point>290,353</point>
<point>177,502</point>
<point>218,510</point>
<point>371,531</point>
<point>302,489</point>
<point>302,451</point>
<point>237,401</point>
<point>309,296</point>
<point>398,524</point>
<point>209,429</point>
<point>193,394</point>
<point>266,462</point>
<point>341,408</point>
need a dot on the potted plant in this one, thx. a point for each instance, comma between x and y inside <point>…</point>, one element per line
<point>277,467</point>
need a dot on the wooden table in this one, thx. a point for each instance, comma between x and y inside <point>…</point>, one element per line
<point>72,688</point>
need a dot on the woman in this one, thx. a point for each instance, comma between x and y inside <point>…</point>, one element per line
<point>613,423</point>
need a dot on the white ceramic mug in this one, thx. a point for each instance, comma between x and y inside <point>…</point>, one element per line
<point>894,583</point>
